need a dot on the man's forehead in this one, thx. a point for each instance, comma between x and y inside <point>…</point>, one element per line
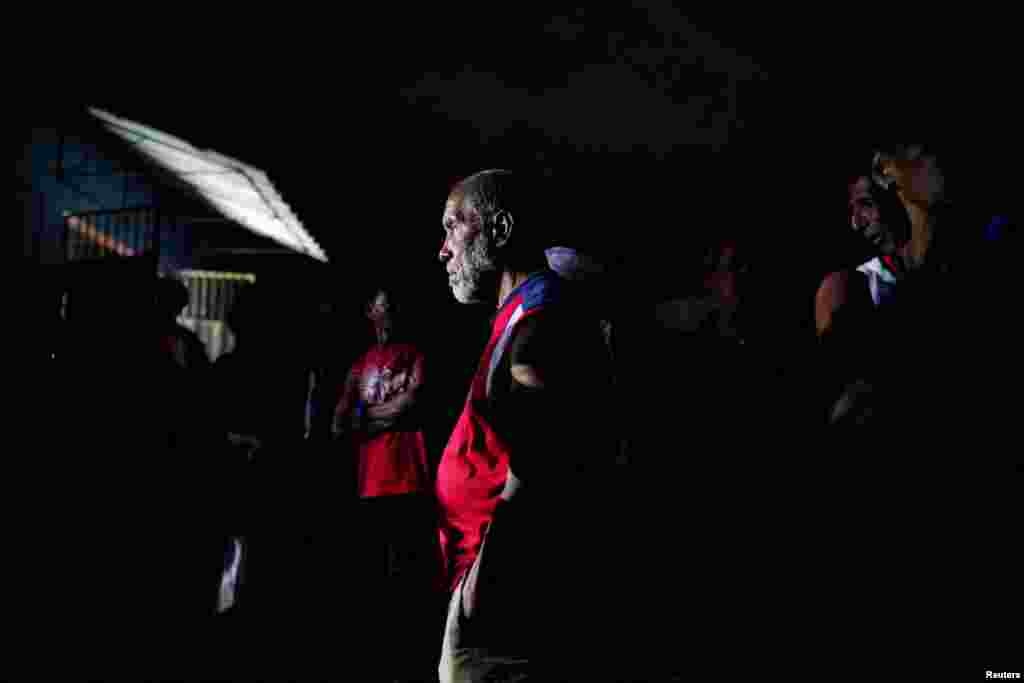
<point>456,204</point>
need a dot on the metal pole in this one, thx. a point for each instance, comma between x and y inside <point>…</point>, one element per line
<point>156,240</point>
<point>66,236</point>
<point>38,228</point>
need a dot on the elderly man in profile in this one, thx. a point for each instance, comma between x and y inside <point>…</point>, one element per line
<point>516,481</point>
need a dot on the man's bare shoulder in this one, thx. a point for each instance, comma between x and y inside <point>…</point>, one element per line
<point>830,297</point>
<point>833,283</point>
<point>553,340</point>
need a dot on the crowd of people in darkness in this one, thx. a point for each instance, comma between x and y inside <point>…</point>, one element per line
<point>558,494</point>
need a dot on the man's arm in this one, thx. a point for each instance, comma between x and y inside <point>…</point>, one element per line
<point>521,416</point>
<point>830,297</point>
<point>527,376</point>
<point>388,412</point>
<point>538,415</point>
<point>343,409</point>
<point>854,404</point>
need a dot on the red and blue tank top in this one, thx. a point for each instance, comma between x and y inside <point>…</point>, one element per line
<point>475,463</point>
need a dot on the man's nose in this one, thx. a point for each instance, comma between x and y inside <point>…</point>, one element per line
<point>445,252</point>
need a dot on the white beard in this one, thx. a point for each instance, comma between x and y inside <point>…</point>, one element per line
<point>474,274</point>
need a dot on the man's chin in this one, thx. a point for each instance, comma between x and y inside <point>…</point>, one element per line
<point>462,295</point>
<point>465,296</point>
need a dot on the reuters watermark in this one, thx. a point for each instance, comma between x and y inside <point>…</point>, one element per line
<point>1003,675</point>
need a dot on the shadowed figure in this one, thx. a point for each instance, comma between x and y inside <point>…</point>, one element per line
<point>177,341</point>
<point>847,303</point>
<point>134,566</point>
<point>261,387</point>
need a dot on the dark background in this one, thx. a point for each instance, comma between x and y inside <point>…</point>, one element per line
<point>661,131</point>
<point>657,127</point>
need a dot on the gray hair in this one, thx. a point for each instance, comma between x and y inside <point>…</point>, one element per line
<point>490,191</point>
<point>493,190</point>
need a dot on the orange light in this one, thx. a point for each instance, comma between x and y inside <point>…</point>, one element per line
<point>91,232</point>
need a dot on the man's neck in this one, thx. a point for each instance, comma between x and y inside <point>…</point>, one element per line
<point>922,232</point>
<point>925,222</point>
<point>383,336</point>
<point>509,281</point>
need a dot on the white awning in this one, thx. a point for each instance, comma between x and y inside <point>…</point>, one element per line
<point>236,190</point>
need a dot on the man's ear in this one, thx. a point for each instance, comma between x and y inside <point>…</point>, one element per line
<point>501,227</point>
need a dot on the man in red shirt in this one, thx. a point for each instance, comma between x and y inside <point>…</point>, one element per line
<point>377,403</point>
<point>516,476</point>
<point>378,411</point>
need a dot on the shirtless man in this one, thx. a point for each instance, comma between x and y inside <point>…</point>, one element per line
<point>845,299</point>
<point>952,374</point>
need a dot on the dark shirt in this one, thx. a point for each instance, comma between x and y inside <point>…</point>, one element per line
<point>262,395</point>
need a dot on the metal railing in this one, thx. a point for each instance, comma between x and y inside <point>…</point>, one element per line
<point>97,235</point>
<point>212,293</point>
<point>120,234</point>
